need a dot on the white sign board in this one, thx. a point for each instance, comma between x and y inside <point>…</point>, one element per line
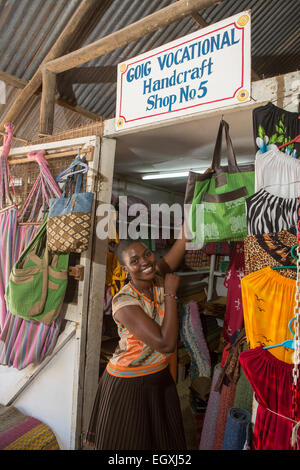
<point>207,69</point>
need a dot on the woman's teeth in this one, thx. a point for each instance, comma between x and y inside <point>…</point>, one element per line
<point>148,270</point>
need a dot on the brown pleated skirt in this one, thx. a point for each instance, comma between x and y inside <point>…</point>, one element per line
<point>140,413</point>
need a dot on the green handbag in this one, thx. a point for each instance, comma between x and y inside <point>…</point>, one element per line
<point>217,200</point>
<point>38,281</point>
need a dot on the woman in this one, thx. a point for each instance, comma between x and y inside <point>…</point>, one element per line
<point>137,405</point>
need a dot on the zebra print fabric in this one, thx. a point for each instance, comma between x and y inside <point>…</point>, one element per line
<point>267,213</point>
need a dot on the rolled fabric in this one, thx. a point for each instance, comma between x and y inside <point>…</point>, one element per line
<point>226,402</point>
<point>237,423</point>
<point>211,415</point>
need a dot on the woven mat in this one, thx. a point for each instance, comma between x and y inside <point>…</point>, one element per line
<point>21,432</point>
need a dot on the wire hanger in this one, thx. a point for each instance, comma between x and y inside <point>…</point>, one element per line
<point>288,267</point>
<point>288,343</point>
<point>76,162</point>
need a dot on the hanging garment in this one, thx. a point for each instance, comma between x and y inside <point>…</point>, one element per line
<point>217,248</point>
<point>273,125</point>
<point>268,304</point>
<point>271,380</point>
<point>270,249</point>
<point>231,369</point>
<point>234,319</point>
<point>267,213</point>
<point>278,173</point>
<point>24,342</point>
<point>115,276</point>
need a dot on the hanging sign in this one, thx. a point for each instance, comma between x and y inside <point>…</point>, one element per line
<point>207,69</point>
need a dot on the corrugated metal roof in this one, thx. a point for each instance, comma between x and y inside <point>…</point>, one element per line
<point>29,28</point>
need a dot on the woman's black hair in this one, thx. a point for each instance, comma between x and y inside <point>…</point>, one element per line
<point>122,246</point>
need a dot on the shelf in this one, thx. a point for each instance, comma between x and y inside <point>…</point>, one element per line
<point>192,273</point>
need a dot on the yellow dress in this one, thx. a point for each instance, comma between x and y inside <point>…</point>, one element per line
<point>268,305</point>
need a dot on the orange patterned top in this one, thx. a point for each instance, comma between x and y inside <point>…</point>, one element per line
<point>133,358</point>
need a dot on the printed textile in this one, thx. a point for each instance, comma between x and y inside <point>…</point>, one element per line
<point>271,380</point>
<point>268,304</point>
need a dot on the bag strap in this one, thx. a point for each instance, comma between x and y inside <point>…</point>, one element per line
<point>216,162</point>
<point>43,188</point>
<point>6,181</point>
<point>32,247</point>
<point>79,179</point>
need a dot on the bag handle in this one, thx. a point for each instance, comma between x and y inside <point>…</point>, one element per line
<point>216,162</point>
<point>70,183</point>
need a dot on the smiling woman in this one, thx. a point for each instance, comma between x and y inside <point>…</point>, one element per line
<point>137,406</point>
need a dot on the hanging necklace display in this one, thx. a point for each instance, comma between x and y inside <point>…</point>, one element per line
<point>296,355</point>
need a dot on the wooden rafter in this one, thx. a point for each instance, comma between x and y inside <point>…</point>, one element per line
<point>81,15</point>
<point>132,32</point>
<point>19,83</point>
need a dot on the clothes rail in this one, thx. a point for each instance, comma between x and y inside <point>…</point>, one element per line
<point>88,152</point>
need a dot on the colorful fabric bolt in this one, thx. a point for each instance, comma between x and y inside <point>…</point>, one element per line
<point>237,422</point>
<point>211,414</point>
<point>194,340</point>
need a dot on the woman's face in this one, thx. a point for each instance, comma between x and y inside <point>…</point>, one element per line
<point>139,262</point>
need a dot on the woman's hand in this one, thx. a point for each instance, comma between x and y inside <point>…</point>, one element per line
<point>172,282</point>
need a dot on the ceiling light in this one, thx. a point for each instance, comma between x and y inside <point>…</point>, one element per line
<point>181,174</point>
<point>157,176</point>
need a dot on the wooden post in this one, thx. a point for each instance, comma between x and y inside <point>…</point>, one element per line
<point>124,36</point>
<point>97,285</point>
<point>84,11</point>
<point>16,82</point>
<point>47,103</point>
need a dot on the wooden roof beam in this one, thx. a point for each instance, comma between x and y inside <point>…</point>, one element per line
<point>132,32</point>
<point>84,11</point>
<point>19,83</point>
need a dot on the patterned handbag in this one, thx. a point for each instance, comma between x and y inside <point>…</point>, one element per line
<point>38,282</point>
<point>69,220</point>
